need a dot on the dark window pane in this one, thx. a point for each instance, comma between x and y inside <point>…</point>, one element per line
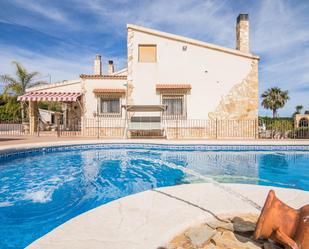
<point>110,105</point>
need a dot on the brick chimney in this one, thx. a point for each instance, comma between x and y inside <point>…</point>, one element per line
<point>110,67</point>
<point>242,33</point>
<point>98,65</point>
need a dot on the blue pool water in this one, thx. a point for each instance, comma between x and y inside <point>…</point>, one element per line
<point>42,190</point>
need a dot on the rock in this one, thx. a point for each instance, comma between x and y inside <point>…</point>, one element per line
<point>269,245</point>
<point>216,224</point>
<point>229,240</point>
<point>215,234</point>
<point>244,224</point>
<point>200,235</point>
<point>180,242</point>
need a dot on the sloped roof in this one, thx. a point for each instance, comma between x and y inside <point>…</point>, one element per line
<point>53,85</point>
<point>191,41</point>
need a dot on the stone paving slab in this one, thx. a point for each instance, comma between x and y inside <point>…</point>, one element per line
<point>152,218</point>
<point>293,197</point>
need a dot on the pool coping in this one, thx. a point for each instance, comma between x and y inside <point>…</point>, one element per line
<point>284,145</point>
<point>152,218</point>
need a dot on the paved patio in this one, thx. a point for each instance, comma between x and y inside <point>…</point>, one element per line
<point>152,218</point>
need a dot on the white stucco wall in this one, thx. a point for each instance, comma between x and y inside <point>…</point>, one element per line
<point>90,98</point>
<point>176,66</point>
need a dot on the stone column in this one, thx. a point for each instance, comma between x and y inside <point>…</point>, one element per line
<point>33,117</point>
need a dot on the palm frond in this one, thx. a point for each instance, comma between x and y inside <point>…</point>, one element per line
<point>7,79</point>
<point>38,83</point>
<point>29,77</point>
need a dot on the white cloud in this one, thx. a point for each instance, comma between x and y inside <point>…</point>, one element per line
<point>66,68</point>
<point>43,9</point>
<point>280,26</point>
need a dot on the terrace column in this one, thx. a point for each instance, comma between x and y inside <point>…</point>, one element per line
<point>33,116</point>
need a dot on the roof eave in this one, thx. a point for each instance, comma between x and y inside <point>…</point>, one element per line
<point>191,41</point>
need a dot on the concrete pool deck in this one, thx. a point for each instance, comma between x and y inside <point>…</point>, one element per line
<point>152,218</point>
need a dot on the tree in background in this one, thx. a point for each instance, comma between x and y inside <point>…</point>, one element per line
<point>9,108</point>
<point>274,98</point>
<point>298,109</point>
<point>16,86</point>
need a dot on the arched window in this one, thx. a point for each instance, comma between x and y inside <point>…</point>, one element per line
<point>303,122</point>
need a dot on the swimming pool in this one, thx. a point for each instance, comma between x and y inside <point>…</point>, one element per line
<point>41,189</point>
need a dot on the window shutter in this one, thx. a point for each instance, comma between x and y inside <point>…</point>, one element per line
<point>147,53</point>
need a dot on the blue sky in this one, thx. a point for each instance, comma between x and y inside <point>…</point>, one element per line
<point>61,37</point>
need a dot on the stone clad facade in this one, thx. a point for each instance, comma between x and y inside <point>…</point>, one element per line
<point>241,102</point>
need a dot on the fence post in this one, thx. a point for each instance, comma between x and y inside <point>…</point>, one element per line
<point>38,127</point>
<point>58,126</point>
<point>98,127</point>
<point>256,127</point>
<point>216,128</point>
<point>177,128</point>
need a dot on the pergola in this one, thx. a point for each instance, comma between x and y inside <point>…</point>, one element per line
<point>34,97</point>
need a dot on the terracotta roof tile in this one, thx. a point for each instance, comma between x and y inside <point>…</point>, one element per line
<point>173,86</point>
<point>105,77</point>
<point>109,90</point>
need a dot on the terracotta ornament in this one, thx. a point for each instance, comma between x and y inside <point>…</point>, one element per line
<point>283,224</point>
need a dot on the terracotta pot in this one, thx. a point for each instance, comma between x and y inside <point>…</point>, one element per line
<point>283,224</point>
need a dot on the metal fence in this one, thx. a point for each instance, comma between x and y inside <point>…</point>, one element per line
<point>102,127</point>
<point>211,129</point>
<point>12,127</point>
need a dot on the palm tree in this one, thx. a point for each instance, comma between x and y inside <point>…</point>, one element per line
<point>274,98</point>
<point>17,85</point>
<point>298,109</point>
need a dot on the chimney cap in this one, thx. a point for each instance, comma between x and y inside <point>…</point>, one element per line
<point>98,56</point>
<point>111,62</point>
<point>242,17</point>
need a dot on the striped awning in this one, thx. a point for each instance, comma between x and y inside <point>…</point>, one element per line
<point>50,96</point>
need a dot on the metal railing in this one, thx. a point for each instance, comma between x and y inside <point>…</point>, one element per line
<point>211,129</point>
<point>103,127</point>
<point>13,127</point>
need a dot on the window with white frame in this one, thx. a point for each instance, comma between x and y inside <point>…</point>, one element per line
<point>175,106</point>
<point>109,106</point>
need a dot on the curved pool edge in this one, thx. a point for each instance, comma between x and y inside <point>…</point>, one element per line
<point>255,144</point>
<point>150,219</point>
